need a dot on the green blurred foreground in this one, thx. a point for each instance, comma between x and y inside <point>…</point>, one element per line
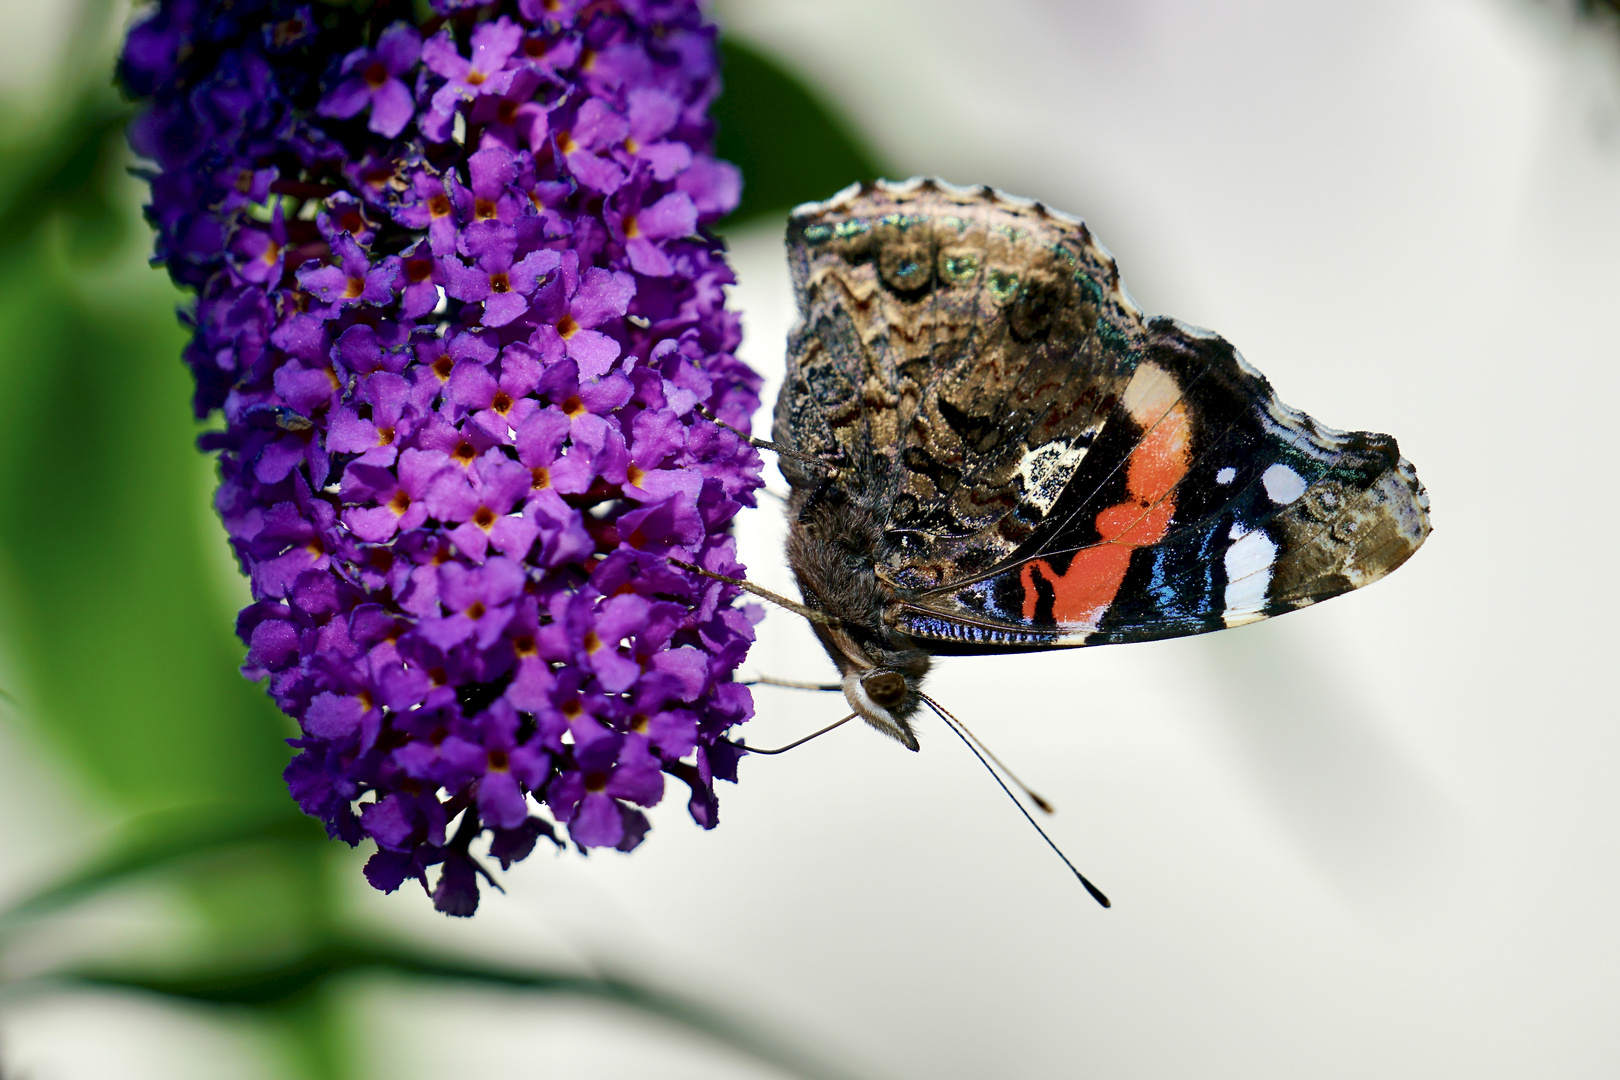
<point>116,598</point>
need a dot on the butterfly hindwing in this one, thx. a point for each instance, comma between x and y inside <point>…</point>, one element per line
<point>957,352</point>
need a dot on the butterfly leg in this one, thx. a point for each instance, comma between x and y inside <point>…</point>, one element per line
<point>766,444</point>
<point>764,594</point>
<point>799,742</point>
<point>795,684</point>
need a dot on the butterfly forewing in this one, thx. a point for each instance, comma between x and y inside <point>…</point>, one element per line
<point>1205,504</point>
<point>1052,468</point>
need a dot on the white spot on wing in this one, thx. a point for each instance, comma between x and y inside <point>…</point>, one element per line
<point>1283,485</point>
<point>1248,574</point>
<point>1226,475</point>
<point>1046,470</point>
<point>1151,393</point>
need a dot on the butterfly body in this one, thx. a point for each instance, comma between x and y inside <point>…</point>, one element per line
<point>994,450</point>
<point>833,549</point>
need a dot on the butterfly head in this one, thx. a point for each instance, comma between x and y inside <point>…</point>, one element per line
<point>882,683</point>
<point>885,699</point>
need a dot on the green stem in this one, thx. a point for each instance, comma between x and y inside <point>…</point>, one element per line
<point>302,992</point>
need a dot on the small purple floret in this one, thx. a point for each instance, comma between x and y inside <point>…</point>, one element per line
<point>372,77</point>
<point>467,353</point>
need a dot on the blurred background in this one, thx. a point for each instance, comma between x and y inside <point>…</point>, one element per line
<point>1375,837</point>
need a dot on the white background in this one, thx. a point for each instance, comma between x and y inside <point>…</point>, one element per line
<point>1377,837</point>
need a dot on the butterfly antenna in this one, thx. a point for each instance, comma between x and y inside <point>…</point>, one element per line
<point>1029,792</point>
<point>799,742</point>
<point>955,725</point>
<point>764,594</point>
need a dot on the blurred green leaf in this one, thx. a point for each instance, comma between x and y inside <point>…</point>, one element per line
<point>160,841</point>
<point>69,171</point>
<point>122,651</point>
<point>791,147</point>
<point>300,983</point>
<point>294,980</point>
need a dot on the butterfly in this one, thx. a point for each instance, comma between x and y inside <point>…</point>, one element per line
<point>991,449</point>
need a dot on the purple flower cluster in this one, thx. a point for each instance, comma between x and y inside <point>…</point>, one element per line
<point>458,308</point>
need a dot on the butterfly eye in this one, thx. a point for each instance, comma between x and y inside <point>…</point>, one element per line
<point>886,688</point>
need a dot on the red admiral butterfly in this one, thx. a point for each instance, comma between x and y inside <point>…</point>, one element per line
<point>992,449</point>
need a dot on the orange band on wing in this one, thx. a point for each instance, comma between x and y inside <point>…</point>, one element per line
<point>1157,464</point>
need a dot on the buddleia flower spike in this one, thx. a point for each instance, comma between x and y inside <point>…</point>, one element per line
<point>459,324</point>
